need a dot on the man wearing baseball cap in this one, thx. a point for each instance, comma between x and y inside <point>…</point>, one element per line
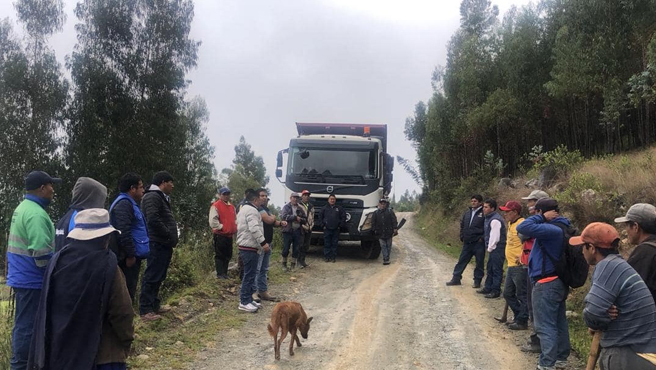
<point>307,227</point>
<point>223,222</point>
<point>640,224</point>
<point>631,334</point>
<point>514,290</point>
<point>292,234</point>
<point>31,244</point>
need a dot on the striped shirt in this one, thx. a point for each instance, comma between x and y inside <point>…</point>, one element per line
<point>615,282</point>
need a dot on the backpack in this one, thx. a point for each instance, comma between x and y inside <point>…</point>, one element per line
<point>571,266</point>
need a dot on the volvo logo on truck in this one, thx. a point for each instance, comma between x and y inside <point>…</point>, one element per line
<point>347,160</point>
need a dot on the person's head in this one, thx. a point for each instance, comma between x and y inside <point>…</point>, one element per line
<point>224,194</point>
<point>253,197</point>
<point>131,184</point>
<point>40,184</point>
<point>545,205</point>
<point>383,203</point>
<point>476,200</point>
<point>164,181</point>
<point>332,199</point>
<point>598,240</point>
<point>305,195</point>
<point>294,199</point>
<point>532,198</point>
<point>511,211</point>
<point>640,222</point>
<point>88,193</point>
<point>263,195</point>
<point>92,225</point>
<point>489,206</point>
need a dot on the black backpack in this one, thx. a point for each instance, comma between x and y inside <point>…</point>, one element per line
<point>571,267</point>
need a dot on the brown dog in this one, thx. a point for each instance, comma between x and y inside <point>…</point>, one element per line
<point>288,317</point>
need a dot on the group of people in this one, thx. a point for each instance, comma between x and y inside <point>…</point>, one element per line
<point>74,284</point>
<point>620,303</point>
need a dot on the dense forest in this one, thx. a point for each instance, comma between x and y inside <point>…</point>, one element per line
<point>577,75</point>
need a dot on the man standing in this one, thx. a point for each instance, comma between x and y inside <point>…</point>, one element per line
<point>549,292</point>
<point>163,235</point>
<point>31,244</point>
<point>262,271</point>
<point>385,226</point>
<point>87,193</point>
<point>640,223</point>
<point>223,221</point>
<point>471,234</point>
<point>495,240</point>
<point>307,227</point>
<point>85,314</point>
<point>631,333</point>
<point>292,234</point>
<point>332,218</point>
<point>251,242</point>
<point>125,215</point>
<point>514,290</point>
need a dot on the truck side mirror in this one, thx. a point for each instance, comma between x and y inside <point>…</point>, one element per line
<point>279,161</point>
<point>278,172</point>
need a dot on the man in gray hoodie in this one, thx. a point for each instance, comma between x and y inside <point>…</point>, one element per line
<point>87,193</point>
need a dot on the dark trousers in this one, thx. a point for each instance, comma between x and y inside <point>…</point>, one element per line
<point>514,292</point>
<point>470,250</point>
<point>159,260</point>
<point>131,276</point>
<point>222,254</point>
<point>330,239</point>
<point>250,259</point>
<point>495,269</point>
<point>306,245</point>
<point>293,239</point>
<point>27,303</point>
<point>621,358</point>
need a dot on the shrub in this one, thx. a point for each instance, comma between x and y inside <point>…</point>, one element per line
<point>561,160</point>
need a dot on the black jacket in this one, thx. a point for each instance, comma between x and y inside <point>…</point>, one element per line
<point>643,260</point>
<point>160,222</point>
<point>121,218</point>
<point>383,223</point>
<point>472,233</point>
<point>332,218</point>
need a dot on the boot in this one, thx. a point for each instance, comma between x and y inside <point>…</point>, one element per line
<point>301,261</point>
<point>293,263</point>
<point>265,296</point>
<point>284,264</point>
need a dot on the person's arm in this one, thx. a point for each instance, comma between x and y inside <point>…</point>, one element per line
<point>395,222</point>
<point>41,240</point>
<point>462,227</point>
<point>254,228</point>
<point>123,216</point>
<point>495,235</point>
<point>119,311</point>
<point>267,218</point>
<point>536,227</point>
<point>286,213</point>
<point>598,302</point>
<point>215,222</point>
<point>151,206</point>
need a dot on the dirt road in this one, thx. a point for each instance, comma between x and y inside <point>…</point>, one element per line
<point>370,316</point>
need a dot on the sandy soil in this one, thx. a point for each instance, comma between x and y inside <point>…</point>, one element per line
<point>370,316</point>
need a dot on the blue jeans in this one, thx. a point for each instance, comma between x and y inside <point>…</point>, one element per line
<point>495,269</point>
<point>250,259</point>
<point>550,321</point>
<point>470,250</point>
<point>262,271</point>
<point>159,260</point>
<point>27,303</point>
<point>515,293</point>
<point>386,246</point>
<point>292,239</point>
<point>330,239</point>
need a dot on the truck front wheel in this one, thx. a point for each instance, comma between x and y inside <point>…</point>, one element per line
<point>370,249</point>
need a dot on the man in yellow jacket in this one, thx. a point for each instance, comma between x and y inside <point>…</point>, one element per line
<point>515,287</point>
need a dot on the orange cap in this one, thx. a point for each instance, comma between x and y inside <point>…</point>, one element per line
<point>599,234</point>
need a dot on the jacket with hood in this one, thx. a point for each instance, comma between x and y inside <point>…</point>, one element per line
<point>250,228</point>
<point>549,238</point>
<point>160,222</point>
<point>87,193</point>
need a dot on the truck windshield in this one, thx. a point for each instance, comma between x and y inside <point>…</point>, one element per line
<point>323,163</point>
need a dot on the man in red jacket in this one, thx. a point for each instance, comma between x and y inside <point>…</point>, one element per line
<point>223,221</point>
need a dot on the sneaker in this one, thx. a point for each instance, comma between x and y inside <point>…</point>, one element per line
<point>256,297</point>
<point>561,364</point>
<point>150,316</point>
<point>257,304</point>
<point>453,282</point>
<point>247,307</point>
<point>545,367</point>
<point>386,262</point>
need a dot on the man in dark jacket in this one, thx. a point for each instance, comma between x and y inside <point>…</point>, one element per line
<point>163,235</point>
<point>133,244</point>
<point>292,234</point>
<point>471,234</point>
<point>331,218</point>
<point>640,223</point>
<point>384,226</point>
<point>87,193</point>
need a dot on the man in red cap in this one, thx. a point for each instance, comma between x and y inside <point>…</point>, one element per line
<point>514,290</point>
<point>629,335</point>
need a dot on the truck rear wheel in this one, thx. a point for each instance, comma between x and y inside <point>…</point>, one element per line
<point>370,249</point>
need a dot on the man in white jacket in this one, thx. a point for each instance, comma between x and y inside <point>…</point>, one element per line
<point>251,242</point>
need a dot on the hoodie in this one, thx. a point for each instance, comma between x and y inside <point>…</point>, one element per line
<point>549,238</point>
<point>87,193</point>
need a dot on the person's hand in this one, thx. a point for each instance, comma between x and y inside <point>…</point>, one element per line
<point>283,223</point>
<point>130,261</point>
<point>266,248</point>
<point>518,261</point>
<point>613,312</point>
<point>550,215</point>
<point>298,219</point>
<point>396,232</point>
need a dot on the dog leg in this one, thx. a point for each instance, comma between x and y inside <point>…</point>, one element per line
<point>276,345</point>
<point>298,341</point>
<point>291,341</point>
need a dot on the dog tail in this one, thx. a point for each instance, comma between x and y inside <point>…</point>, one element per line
<point>270,329</point>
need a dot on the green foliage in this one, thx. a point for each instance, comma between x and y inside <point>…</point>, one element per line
<point>247,171</point>
<point>191,263</point>
<point>560,159</point>
<point>408,202</point>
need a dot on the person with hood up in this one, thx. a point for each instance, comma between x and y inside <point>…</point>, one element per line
<point>87,193</point>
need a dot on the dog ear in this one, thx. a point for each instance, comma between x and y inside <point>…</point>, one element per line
<point>308,320</point>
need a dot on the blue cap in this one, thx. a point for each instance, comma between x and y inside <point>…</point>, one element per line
<point>224,190</point>
<point>36,179</point>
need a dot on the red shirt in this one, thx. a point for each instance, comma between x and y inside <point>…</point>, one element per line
<point>227,217</point>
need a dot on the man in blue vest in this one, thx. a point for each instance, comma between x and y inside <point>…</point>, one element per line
<point>495,241</point>
<point>125,216</point>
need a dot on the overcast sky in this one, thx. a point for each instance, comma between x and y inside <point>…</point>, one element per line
<point>264,65</point>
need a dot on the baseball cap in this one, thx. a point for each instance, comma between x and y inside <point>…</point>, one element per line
<point>546,205</point>
<point>306,192</point>
<point>511,206</point>
<point>295,195</point>
<point>536,195</point>
<point>224,190</point>
<point>599,234</point>
<point>383,200</point>
<point>36,179</point>
<point>641,213</point>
